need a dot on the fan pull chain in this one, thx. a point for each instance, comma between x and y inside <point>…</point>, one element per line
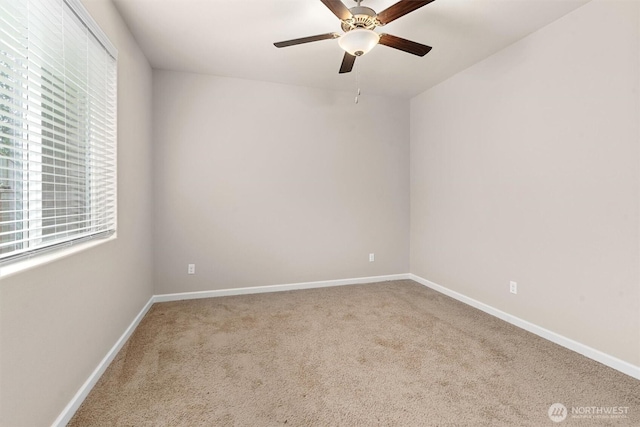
<point>357,82</point>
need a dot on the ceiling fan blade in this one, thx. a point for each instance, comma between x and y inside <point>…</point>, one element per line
<point>400,9</point>
<point>347,63</point>
<point>307,39</point>
<point>338,8</point>
<point>404,45</point>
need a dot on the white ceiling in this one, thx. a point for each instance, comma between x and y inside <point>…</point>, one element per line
<point>234,38</point>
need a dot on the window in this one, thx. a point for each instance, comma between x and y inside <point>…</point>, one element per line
<point>57,127</point>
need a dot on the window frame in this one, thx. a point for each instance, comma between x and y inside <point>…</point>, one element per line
<point>22,260</point>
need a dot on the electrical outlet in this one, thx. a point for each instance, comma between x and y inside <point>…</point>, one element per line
<point>372,257</point>
<point>513,287</point>
<point>191,269</point>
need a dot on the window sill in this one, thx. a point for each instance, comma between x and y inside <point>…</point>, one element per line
<point>46,258</point>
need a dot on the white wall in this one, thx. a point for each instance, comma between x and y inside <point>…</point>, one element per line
<point>58,321</point>
<point>525,167</point>
<point>261,184</point>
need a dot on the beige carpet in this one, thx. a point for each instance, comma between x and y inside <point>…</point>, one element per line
<point>392,353</point>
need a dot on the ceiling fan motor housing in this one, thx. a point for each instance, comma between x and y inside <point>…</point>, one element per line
<point>363,17</point>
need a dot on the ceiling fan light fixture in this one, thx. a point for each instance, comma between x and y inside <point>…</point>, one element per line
<point>358,41</point>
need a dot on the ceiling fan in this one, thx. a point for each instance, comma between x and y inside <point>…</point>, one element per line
<point>358,24</point>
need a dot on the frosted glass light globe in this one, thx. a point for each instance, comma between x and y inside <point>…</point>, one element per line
<point>359,41</point>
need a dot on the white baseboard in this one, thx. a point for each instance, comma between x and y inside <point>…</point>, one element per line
<point>591,353</point>
<point>276,288</point>
<point>71,408</point>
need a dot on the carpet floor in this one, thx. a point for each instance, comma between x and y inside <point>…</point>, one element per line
<point>391,353</point>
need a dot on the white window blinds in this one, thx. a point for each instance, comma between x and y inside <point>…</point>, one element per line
<point>57,127</point>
